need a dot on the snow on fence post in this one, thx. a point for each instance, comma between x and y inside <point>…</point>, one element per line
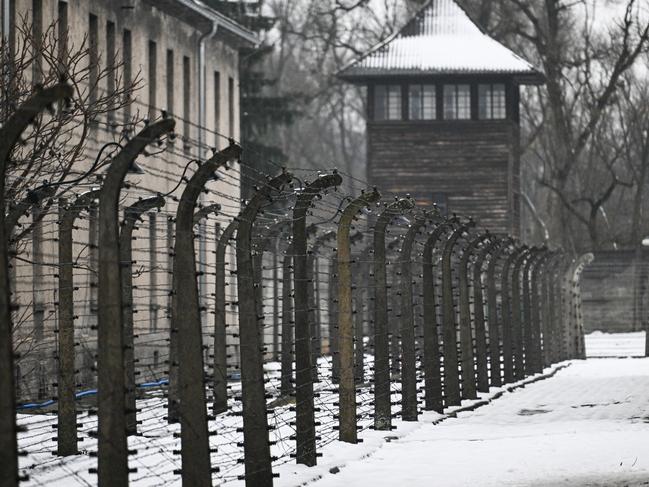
<point>449,324</point>
<point>496,325</point>
<point>305,419</point>
<point>112,444</point>
<point>481,357</point>
<point>312,284</point>
<point>131,215</point>
<point>186,321</point>
<point>433,400</point>
<point>382,399</point>
<point>256,446</point>
<point>220,370</point>
<point>66,383</point>
<point>517,319</point>
<point>347,387</point>
<point>467,357</point>
<point>407,328</point>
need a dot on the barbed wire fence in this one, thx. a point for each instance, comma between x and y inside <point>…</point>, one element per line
<point>182,335</point>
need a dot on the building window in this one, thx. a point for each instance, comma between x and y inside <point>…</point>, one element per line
<point>231,106</point>
<point>127,53</point>
<point>170,81</point>
<point>11,22</point>
<point>93,57</point>
<point>186,100</point>
<point>111,67</point>
<point>37,40</point>
<point>217,107</point>
<point>491,102</point>
<point>457,102</point>
<point>387,102</point>
<point>153,71</point>
<point>422,102</point>
<point>63,35</point>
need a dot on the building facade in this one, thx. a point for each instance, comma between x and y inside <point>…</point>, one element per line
<point>184,60</point>
<point>443,115</point>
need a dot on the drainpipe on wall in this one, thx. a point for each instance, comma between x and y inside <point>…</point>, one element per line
<point>5,20</point>
<point>202,140</point>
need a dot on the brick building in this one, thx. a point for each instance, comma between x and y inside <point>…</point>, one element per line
<point>186,57</point>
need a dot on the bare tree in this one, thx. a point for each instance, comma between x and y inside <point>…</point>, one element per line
<point>568,119</point>
<point>55,149</point>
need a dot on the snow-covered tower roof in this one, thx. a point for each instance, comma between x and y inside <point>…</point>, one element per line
<point>441,39</point>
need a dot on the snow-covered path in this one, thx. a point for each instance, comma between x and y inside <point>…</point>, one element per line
<point>586,426</point>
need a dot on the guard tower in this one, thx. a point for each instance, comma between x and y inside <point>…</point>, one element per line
<point>443,115</point>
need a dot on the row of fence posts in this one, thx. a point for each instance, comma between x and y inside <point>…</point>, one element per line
<point>525,313</point>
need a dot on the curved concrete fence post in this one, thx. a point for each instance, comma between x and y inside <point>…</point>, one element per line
<point>112,445</point>
<point>305,419</point>
<point>10,135</point>
<point>407,328</point>
<point>347,386</point>
<point>518,318</point>
<point>467,355</point>
<point>256,446</point>
<point>382,395</point>
<point>66,389</point>
<point>433,400</point>
<point>495,323</point>
<point>186,321</point>
<point>480,325</point>
<point>452,391</point>
<point>220,384</point>
<point>131,215</point>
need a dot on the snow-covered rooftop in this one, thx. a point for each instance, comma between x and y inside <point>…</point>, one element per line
<point>440,39</point>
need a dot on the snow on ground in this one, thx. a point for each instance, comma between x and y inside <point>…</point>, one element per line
<point>600,344</point>
<point>586,426</point>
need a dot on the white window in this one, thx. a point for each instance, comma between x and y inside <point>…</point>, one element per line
<point>491,101</point>
<point>422,102</point>
<point>387,102</point>
<point>457,102</point>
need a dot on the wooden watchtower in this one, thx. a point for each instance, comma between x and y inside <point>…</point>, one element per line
<point>443,115</point>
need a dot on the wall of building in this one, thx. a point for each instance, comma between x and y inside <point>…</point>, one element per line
<point>608,292</point>
<point>473,163</point>
<point>153,239</point>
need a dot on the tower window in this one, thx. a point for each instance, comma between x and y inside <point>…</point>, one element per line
<point>491,101</point>
<point>422,102</point>
<point>457,102</point>
<point>387,102</point>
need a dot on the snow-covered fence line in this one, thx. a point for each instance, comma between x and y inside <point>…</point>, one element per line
<point>316,311</point>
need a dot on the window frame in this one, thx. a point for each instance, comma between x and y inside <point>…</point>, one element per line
<point>456,101</point>
<point>490,106</point>
<point>393,91</point>
<point>422,105</point>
